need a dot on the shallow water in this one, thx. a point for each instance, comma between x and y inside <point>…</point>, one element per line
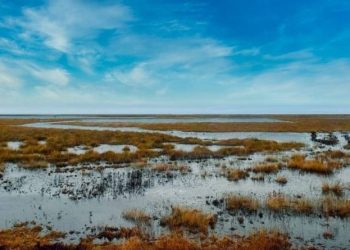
<point>148,118</point>
<point>78,199</point>
<point>212,136</point>
<point>90,196</point>
<point>114,148</point>
<point>14,145</point>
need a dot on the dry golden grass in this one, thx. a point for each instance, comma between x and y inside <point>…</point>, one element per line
<point>266,168</point>
<point>295,123</point>
<point>58,140</point>
<point>336,154</point>
<point>2,168</point>
<point>165,167</point>
<point>259,240</point>
<point>336,207</point>
<point>280,203</point>
<point>234,174</point>
<point>281,180</point>
<point>26,238</point>
<point>271,159</point>
<point>250,145</point>
<point>320,166</point>
<point>239,202</point>
<point>111,233</point>
<point>335,188</point>
<point>136,215</point>
<point>191,219</point>
<point>29,239</point>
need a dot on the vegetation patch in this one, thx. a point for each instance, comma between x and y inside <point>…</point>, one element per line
<point>137,216</point>
<point>235,174</point>
<point>266,168</point>
<point>336,207</point>
<point>321,166</point>
<point>336,188</point>
<point>188,218</point>
<point>239,202</point>
<point>27,237</point>
<point>282,203</point>
<point>281,180</point>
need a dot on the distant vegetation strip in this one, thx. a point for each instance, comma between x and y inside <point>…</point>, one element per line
<point>288,124</point>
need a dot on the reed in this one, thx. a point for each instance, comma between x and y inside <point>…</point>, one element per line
<point>191,219</point>
<point>239,202</point>
<point>137,216</point>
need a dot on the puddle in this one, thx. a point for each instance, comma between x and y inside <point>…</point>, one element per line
<point>103,148</point>
<point>115,148</point>
<point>14,145</point>
<point>190,147</point>
<point>78,150</point>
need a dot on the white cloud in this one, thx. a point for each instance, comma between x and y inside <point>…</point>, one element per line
<point>61,23</point>
<point>302,82</point>
<point>8,78</point>
<point>137,76</point>
<point>11,46</point>
<point>54,76</point>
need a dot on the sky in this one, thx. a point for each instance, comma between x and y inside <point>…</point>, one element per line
<point>172,56</point>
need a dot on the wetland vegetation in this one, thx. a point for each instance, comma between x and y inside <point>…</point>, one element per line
<point>76,188</point>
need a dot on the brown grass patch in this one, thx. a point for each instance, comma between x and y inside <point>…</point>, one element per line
<point>320,166</point>
<point>336,207</point>
<point>164,167</point>
<point>234,174</point>
<point>280,203</point>
<point>191,219</point>
<point>295,123</point>
<point>2,168</point>
<point>239,202</point>
<point>111,233</point>
<point>136,215</point>
<point>266,168</point>
<point>281,180</point>
<point>27,238</point>
<point>335,188</point>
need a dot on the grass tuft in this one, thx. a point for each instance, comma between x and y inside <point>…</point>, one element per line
<point>239,202</point>
<point>137,216</point>
<point>191,219</point>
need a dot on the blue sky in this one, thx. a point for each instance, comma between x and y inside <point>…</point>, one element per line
<point>171,56</point>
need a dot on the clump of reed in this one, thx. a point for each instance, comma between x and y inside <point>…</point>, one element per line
<point>332,206</point>
<point>192,219</point>
<point>27,237</point>
<point>281,203</point>
<point>111,233</point>
<point>266,168</point>
<point>335,188</point>
<point>258,240</point>
<point>239,202</point>
<point>258,177</point>
<point>271,159</point>
<point>165,167</point>
<point>2,168</point>
<point>335,154</point>
<point>314,165</point>
<point>137,216</point>
<point>234,174</point>
<point>281,180</point>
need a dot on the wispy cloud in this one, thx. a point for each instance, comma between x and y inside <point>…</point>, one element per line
<point>173,56</point>
<point>9,78</point>
<point>296,83</point>
<point>62,23</point>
